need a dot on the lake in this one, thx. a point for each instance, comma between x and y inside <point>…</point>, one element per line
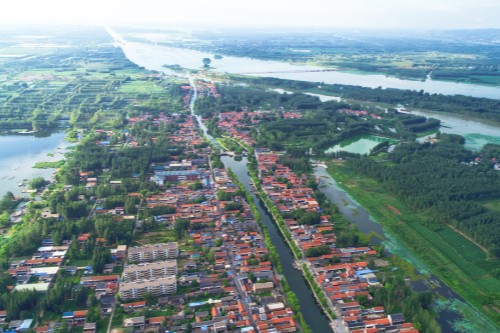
<point>477,132</point>
<point>18,154</point>
<point>362,144</point>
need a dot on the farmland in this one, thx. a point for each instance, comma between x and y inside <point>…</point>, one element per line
<point>455,260</point>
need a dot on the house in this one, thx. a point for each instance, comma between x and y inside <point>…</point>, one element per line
<point>137,323</point>
<point>153,252</point>
<point>3,315</point>
<point>262,287</point>
<point>134,305</point>
<point>25,325</point>
<point>89,328</point>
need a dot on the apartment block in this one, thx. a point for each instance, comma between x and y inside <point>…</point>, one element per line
<point>153,252</point>
<point>148,271</point>
<point>158,287</point>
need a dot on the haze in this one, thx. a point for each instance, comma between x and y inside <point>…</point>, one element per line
<point>435,14</point>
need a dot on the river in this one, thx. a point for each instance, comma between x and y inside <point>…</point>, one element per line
<point>153,56</point>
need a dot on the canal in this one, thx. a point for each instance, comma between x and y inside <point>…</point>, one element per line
<point>358,215</point>
<point>312,312</point>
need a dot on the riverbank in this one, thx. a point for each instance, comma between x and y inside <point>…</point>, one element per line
<point>448,255</point>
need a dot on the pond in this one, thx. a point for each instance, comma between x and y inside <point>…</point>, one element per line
<point>362,144</point>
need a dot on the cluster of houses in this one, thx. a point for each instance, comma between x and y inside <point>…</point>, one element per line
<point>39,271</point>
<point>229,277</point>
<point>359,113</point>
<point>286,189</point>
<point>237,125</point>
<point>342,273</point>
<point>479,159</point>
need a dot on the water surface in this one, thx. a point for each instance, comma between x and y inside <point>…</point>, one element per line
<point>19,153</point>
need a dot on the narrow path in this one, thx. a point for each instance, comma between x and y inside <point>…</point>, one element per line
<point>472,240</point>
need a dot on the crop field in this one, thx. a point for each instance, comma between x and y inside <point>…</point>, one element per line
<point>146,87</point>
<point>448,255</point>
<point>467,249</point>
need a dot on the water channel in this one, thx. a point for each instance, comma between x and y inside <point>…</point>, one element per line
<point>310,309</point>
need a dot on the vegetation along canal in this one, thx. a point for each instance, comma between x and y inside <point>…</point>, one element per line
<point>358,215</point>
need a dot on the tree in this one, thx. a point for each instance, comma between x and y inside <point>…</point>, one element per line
<point>37,183</point>
<point>318,251</point>
<point>180,228</point>
<point>4,219</point>
<point>150,299</point>
<point>206,62</point>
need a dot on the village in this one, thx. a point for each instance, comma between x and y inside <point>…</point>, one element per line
<point>215,275</point>
<point>191,255</point>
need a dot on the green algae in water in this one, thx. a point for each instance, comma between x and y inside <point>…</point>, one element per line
<point>472,321</point>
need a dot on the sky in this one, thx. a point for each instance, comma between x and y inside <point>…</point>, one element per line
<point>401,14</point>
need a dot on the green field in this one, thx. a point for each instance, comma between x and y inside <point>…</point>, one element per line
<point>46,165</point>
<point>141,87</point>
<point>456,261</point>
<point>493,205</point>
<point>462,245</point>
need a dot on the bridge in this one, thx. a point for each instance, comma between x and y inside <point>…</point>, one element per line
<point>290,71</point>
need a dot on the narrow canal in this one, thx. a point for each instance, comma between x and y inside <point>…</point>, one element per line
<point>312,312</point>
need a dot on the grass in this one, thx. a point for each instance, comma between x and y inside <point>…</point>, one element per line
<point>447,254</point>
<point>493,205</point>
<point>462,245</point>
<point>47,165</point>
<point>156,237</point>
<point>81,262</point>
